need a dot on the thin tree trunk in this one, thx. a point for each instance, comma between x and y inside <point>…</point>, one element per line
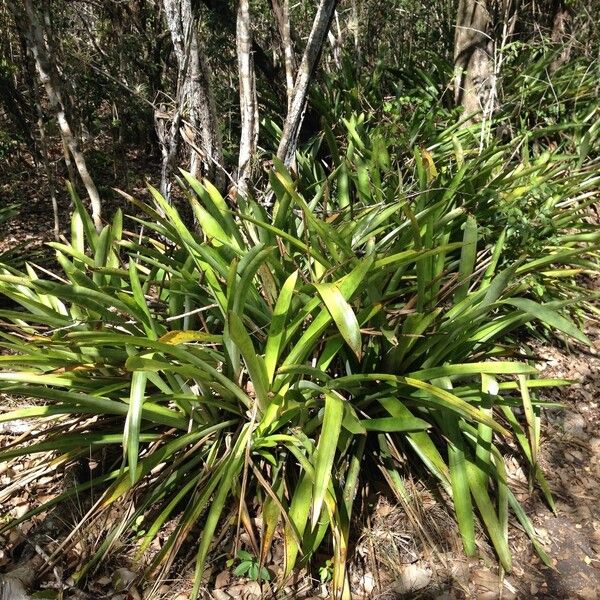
<point>203,113</point>
<point>71,175</point>
<point>336,42</point>
<point>473,51</point>
<point>226,19</point>
<point>45,158</point>
<point>310,58</point>
<point>248,100</point>
<point>36,96</point>
<point>282,19</point>
<point>561,25</point>
<point>197,105</point>
<point>170,141</point>
<point>34,88</point>
<point>353,26</point>
<point>50,81</point>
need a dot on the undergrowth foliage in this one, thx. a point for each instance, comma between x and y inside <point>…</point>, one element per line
<point>277,362</point>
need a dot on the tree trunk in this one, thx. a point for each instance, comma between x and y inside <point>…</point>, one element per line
<point>561,26</point>
<point>473,50</point>
<point>282,18</point>
<point>196,105</point>
<point>248,100</point>
<point>310,58</point>
<point>45,159</point>
<point>50,82</point>
<point>353,26</point>
<point>226,19</point>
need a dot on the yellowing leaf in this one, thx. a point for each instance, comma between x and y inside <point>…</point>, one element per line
<point>429,165</point>
<point>174,338</point>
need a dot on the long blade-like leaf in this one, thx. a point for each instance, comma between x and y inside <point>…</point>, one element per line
<point>131,438</point>
<point>342,314</point>
<point>277,330</point>
<point>325,452</point>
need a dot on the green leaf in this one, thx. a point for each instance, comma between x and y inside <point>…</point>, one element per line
<point>342,314</point>
<point>459,481</point>
<point>224,478</point>
<point>85,222</point>
<point>102,252</point>
<point>351,422</point>
<point>529,529</point>
<point>532,421</point>
<point>78,441</point>
<point>549,317</point>
<point>77,233</point>
<point>69,400</point>
<point>391,424</point>
<point>254,363</point>
<point>131,437</point>
<point>466,369</point>
<point>298,518</point>
<point>325,452</point>
<point>211,227</point>
<point>138,296</point>
<point>275,337</point>
<point>242,568</point>
<point>248,267</point>
<point>467,259</point>
<point>347,286</point>
<point>488,514</point>
<point>435,395</point>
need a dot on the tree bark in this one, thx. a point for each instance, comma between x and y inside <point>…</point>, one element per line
<point>282,19</point>
<point>353,26</point>
<point>561,26</point>
<point>473,50</point>
<point>226,19</point>
<point>248,99</point>
<point>51,83</point>
<point>45,160</point>
<point>291,128</point>
<point>196,105</point>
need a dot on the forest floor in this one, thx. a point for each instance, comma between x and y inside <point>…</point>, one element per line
<point>393,558</point>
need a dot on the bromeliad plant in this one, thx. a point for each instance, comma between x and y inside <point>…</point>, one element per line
<point>263,360</point>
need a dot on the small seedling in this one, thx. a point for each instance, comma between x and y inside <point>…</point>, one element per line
<point>326,571</point>
<point>249,566</point>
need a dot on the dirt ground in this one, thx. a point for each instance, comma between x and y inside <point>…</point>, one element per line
<point>571,461</point>
<point>392,560</point>
<point>570,456</point>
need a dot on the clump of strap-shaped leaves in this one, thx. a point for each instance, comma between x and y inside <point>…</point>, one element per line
<point>261,362</point>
